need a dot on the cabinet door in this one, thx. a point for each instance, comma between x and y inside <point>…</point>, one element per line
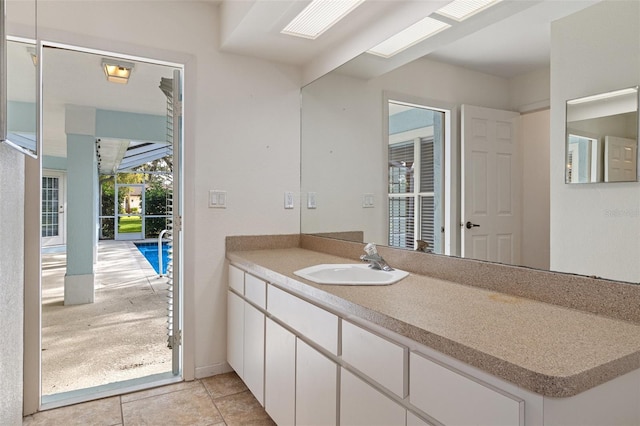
<point>253,368</point>
<point>236,279</point>
<point>361,404</point>
<point>316,387</point>
<point>280,374</point>
<point>235,332</point>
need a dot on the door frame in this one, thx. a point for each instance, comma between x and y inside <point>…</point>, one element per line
<point>62,216</point>
<point>32,390</point>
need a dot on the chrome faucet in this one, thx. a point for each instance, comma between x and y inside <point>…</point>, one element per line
<point>375,260</point>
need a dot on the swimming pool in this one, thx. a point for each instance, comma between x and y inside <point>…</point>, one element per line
<point>150,251</point>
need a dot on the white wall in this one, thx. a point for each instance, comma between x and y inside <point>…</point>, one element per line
<point>241,135</point>
<point>11,284</point>
<point>595,228</point>
<point>534,139</point>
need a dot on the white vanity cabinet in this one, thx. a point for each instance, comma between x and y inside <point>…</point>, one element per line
<point>309,366</point>
<point>280,374</point>
<point>316,387</point>
<point>235,321</point>
<point>246,330</point>
<point>254,335</point>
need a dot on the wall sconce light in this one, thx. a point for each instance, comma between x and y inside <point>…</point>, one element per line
<point>117,72</point>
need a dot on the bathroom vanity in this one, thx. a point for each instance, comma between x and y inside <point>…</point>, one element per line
<point>425,350</point>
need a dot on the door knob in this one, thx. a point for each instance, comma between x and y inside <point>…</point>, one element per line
<point>470,225</point>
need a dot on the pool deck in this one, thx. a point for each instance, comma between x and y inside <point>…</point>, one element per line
<point>121,336</point>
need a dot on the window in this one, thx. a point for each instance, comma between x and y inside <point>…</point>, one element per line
<point>415,177</point>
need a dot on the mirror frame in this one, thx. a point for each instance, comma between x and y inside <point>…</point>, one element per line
<point>600,140</point>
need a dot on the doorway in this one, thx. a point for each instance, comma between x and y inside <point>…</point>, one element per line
<point>53,208</point>
<point>418,138</point>
<point>130,210</point>
<point>110,322</point>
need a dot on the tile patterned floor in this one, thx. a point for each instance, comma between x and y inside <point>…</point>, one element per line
<point>213,401</point>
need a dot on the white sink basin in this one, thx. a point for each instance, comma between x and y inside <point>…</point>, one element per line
<point>350,274</point>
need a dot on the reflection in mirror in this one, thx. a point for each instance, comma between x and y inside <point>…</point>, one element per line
<point>416,147</point>
<point>602,137</point>
<point>19,82</point>
<point>21,95</point>
<point>346,142</point>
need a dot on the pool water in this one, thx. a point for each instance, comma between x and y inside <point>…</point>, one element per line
<point>150,251</point>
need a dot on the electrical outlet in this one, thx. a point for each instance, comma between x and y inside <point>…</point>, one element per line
<point>311,200</point>
<point>217,199</point>
<point>288,200</point>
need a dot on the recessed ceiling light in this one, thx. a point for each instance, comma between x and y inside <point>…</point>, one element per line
<point>406,38</point>
<point>460,10</point>
<point>319,16</point>
<point>117,71</point>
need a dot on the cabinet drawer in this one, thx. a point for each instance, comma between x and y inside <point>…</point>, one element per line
<point>309,320</point>
<point>236,279</point>
<point>383,361</point>
<point>455,399</point>
<point>255,290</point>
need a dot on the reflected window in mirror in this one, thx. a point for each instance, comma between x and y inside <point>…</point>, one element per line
<point>602,137</point>
<point>415,167</point>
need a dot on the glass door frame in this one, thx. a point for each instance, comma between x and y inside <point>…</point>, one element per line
<point>32,390</point>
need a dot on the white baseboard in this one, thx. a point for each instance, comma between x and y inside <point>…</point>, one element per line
<point>213,370</point>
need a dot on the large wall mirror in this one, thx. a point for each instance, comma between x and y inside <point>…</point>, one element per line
<point>19,117</point>
<point>352,162</point>
<point>602,137</point>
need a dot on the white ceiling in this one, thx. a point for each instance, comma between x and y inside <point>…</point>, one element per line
<point>509,39</point>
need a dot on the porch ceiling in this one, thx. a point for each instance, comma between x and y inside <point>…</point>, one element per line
<point>117,155</point>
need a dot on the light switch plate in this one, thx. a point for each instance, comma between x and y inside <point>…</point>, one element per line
<point>311,200</point>
<point>288,200</point>
<point>217,199</point>
<point>367,201</point>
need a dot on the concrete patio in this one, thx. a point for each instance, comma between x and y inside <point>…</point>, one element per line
<point>121,336</point>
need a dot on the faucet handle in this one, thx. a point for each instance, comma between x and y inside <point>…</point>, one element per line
<point>371,249</point>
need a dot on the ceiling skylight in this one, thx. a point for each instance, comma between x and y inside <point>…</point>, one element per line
<point>460,10</point>
<point>319,16</point>
<point>406,38</point>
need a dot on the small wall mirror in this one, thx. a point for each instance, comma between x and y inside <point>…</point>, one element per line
<point>602,138</point>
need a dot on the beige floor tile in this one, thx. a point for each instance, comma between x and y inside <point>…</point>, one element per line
<point>160,391</point>
<point>224,384</point>
<point>103,412</point>
<point>242,409</point>
<point>189,407</point>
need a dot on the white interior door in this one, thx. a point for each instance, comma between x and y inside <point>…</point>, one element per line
<point>491,217</point>
<point>620,159</point>
<point>53,208</point>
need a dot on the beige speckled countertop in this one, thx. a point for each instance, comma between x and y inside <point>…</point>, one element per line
<point>548,349</point>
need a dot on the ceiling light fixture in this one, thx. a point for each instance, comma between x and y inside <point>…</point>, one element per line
<point>116,71</point>
<point>319,16</point>
<point>406,38</point>
<point>460,10</point>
